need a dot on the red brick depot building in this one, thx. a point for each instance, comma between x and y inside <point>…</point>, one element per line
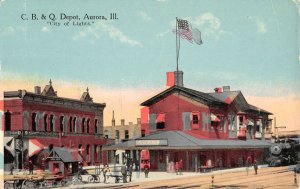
<point>51,131</point>
<point>217,130</point>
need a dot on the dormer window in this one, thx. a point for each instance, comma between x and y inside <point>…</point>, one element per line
<point>195,117</point>
<point>160,121</point>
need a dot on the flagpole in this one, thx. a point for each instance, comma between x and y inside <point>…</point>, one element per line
<point>176,46</point>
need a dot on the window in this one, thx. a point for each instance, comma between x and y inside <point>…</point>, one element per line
<point>241,118</point>
<point>34,121</point>
<point>88,149</point>
<point>80,149</point>
<point>74,125</point>
<point>7,121</point>
<point>126,134</point>
<point>61,123</point>
<point>195,119</point>
<point>117,134</point>
<point>82,125</point>
<point>51,122</point>
<point>195,116</point>
<point>160,121</point>
<point>96,123</point>
<point>143,132</point>
<point>70,124</point>
<point>96,151</point>
<point>45,122</point>
<point>88,126</point>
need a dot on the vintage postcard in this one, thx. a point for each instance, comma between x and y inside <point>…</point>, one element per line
<point>149,94</point>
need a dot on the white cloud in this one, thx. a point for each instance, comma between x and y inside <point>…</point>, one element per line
<point>7,31</point>
<point>1,1</point>
<point>114,33</point>
<point>209,25</point>
<point>45,29</point>
<point>144,16</point>
<point>162,1</point>
<point>259,23</point>
<point>261,28</point>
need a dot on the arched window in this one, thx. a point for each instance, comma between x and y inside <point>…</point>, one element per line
<point>7,117</point>
<point>88,149</point>
<point>88,126</point>
<point>82,125</point>
<point>34,121</point>
<point>96,128</point>
<point>70,124</point>
<point>45,122</point>
<point>61,123</point>
<point>74,125</point>
<point>51,122</point>
<point>80,149</point>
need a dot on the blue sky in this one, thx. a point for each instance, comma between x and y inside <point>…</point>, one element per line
<point>245,42</point>
<point>251,45</point>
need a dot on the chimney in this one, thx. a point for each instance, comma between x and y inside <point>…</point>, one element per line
<point>37,90</point>
<point>218,89</point>
<point>122,121</point>
<point>226,88</point>
<point>113,121</point>
<point>178,78</point>
<point>170,79</point>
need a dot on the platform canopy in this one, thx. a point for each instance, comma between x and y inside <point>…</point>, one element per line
<point>184,141</point>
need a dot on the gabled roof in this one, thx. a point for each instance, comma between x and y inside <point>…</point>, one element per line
<point>238,99</point>
<point>85,97</point>
<point>196,95</point>
<point>252,108</point>
<point>182,140</point>
<point>48,90</point>
<point>62,153</point>
<point>226,96</point>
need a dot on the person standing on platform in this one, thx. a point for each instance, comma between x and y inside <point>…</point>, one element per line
<point>146,171</point>
<point>247,167</point>
<point>255,166</point>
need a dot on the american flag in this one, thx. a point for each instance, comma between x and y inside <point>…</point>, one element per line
<point>184,30</point>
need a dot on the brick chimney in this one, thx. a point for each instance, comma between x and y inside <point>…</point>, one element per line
<point>170,79</point>
<point>226,88</point>
<point>218,90</point>
<point>178,78</point>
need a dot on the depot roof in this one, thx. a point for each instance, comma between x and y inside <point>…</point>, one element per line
<point>184,141</point>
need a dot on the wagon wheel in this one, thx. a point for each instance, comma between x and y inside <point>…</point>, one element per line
<point>17,184</point>
<point>54,184</point>
<point>6,185</point>
<point>28,184</point>
<point>91,179</point>
<point>63,183</point>
<point>97,178</point>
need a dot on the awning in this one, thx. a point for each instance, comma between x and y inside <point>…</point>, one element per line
<point>9,144</point>
<point>214,118</point>
<point>34,147</point>
<point>61,153</point>
<point>160,118</point>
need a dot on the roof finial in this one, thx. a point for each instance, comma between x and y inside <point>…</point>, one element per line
<point>87,89</point>
<point>50,82</point>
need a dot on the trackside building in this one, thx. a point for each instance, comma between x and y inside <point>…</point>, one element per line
<point>204,130</point>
